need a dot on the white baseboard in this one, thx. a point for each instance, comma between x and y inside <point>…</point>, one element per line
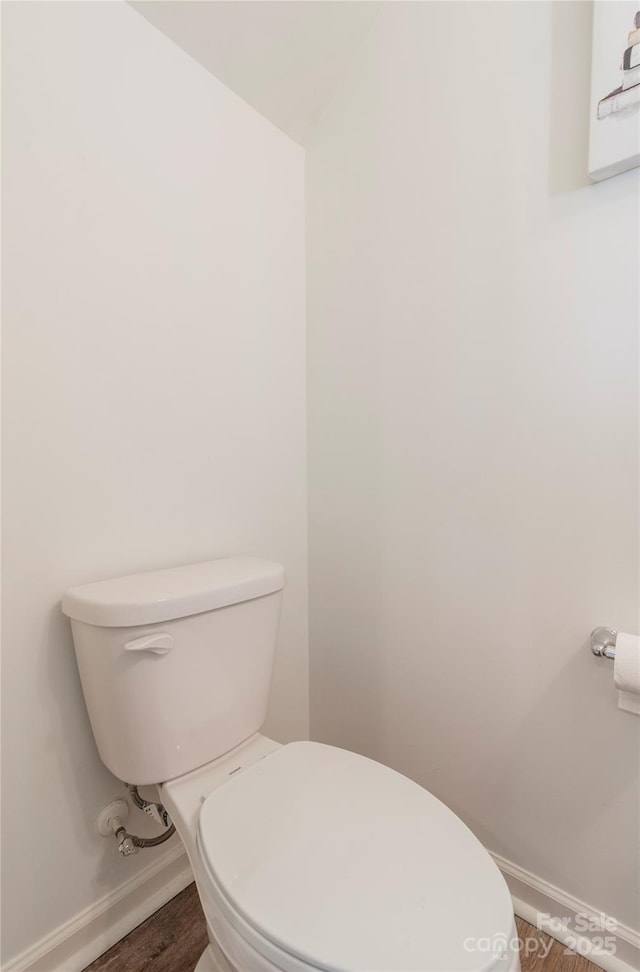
<point>80,941</point>
<point>563,917</point>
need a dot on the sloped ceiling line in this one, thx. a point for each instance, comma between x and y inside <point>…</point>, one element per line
<point>284,57</point>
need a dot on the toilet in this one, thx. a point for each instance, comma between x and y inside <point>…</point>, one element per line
<point>306,857</point>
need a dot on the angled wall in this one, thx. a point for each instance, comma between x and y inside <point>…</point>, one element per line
<point>153,404</point>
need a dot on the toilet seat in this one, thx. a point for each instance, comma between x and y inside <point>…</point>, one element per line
<point>322,859</point>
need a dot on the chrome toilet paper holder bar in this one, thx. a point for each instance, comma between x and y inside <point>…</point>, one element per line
<point>603,642</point>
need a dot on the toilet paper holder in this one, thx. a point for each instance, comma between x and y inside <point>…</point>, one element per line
<point>603,642</point>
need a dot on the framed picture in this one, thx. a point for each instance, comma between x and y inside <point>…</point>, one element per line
<point>614,130</point>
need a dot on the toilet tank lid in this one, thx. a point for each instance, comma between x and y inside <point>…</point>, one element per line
<point>164,595</point>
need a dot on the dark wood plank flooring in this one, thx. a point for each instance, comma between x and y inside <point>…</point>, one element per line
<point>556,960</point>
<point>173,939</point>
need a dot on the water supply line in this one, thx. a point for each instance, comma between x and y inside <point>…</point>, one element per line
<point>129,843</point>
<point>155,810</point>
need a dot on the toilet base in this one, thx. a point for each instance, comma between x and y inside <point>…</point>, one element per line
<point>212,960</point>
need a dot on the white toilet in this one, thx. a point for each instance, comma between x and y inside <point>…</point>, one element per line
<point>306,857</point>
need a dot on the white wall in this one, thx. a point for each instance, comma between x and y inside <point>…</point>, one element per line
<point>473,312</point>
<point>154,391</point>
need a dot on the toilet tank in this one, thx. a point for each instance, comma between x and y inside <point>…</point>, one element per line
<point>176,664</point>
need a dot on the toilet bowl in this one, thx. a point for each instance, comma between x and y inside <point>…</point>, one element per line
<point>310,857</point>
<point>306,857</point>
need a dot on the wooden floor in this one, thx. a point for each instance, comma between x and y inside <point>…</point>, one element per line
<point>173,939</point>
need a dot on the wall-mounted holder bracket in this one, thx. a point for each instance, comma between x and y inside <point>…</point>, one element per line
<point>603,642</point>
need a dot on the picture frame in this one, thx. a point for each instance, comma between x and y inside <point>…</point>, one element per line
<point>614,129</point>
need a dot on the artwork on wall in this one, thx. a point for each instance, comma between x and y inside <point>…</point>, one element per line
<point>614,131</point>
